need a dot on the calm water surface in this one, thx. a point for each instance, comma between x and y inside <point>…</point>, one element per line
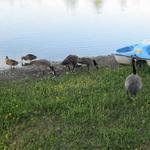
<point>52,29</point>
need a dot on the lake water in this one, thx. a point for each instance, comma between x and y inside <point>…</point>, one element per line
<point>52,29</point>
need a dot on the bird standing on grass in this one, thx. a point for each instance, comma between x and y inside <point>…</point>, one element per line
<point>75,61</point>
<point>133,82</point>
<point>11,62</point>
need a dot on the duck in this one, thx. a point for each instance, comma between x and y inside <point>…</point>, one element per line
<point>11,62</point>
<point>133,82</point>
<point>29,57</point>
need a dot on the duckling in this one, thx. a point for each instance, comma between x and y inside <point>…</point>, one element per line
<point>133,82</point>
<point>29,57</point>
<point>70,60</point>
<point>11,62</point>
<point>88,62</point>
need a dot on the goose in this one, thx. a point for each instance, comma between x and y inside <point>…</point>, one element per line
<point>44,64</point>
<point>29,57</point>
<point>133,82</point>
<point>11,62</point>
<point>70,60</point>
<point>88,62</point>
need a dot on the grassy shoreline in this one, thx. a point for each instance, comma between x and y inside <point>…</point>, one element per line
<point>75,111</point>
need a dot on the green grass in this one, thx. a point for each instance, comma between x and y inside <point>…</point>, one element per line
<point>74,112</point>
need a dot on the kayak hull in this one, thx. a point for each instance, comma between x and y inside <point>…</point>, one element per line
<point>141,51</point>
<point>127,60</point>
<point>122,59</point>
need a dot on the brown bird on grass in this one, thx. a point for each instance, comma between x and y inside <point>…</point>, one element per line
<point>11,62</point>
<point>29,57</point>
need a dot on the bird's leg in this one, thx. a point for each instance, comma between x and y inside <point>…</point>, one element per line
<point>81,68</point>
<point>97,67</point>
<point>69,68</point>
<point>128,95</point>
<point>88,66</point>
<point>73,68</point>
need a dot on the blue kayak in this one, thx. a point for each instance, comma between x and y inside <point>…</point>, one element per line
<point>141,51</point>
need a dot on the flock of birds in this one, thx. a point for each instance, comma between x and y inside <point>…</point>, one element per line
<point>71,61</point>
<point>133,82</point>
<point>12,63</point>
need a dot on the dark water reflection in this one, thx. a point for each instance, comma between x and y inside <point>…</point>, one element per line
<point>53,29</point>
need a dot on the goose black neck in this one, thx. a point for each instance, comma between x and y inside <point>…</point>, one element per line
<point>133,65</point>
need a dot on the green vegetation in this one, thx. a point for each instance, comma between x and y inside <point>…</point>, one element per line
<point>74,112</point>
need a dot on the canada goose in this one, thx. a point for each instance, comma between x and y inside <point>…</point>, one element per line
<point>89,62</point>
<point>70,60</point>
<point>11,62</point>
<point>133,82</point>
<point>44,64</point>
<point>29,57</point>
